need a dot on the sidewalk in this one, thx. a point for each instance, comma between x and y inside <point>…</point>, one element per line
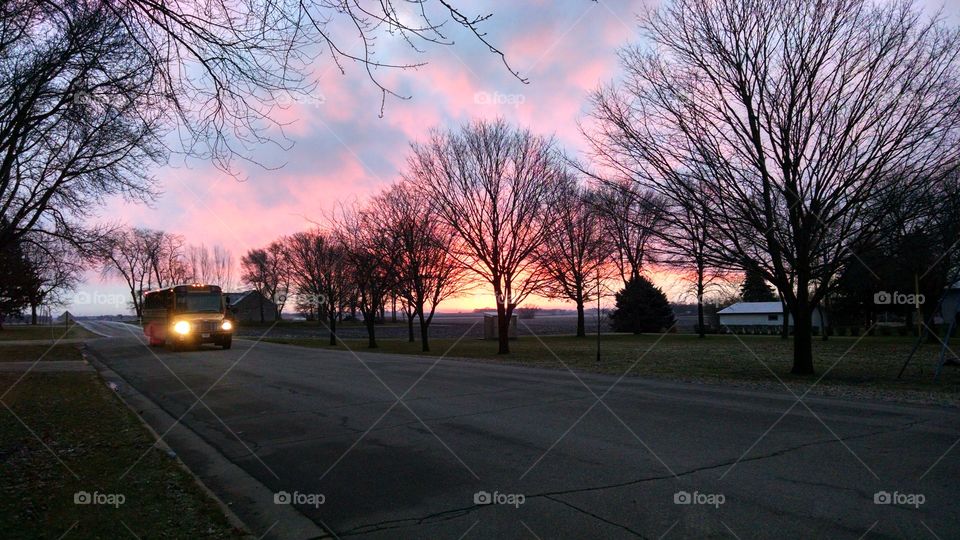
<point>62,366</point>
<point>42,341</point>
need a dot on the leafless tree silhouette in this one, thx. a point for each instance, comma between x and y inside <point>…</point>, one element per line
<point>491,183</point>
<point>795,117</point>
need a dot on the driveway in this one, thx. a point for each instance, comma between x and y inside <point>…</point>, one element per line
<point>384,446</point>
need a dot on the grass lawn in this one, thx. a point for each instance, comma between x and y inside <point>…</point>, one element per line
<point>46,353</point>
<point>81,423</point>
<point>315,325</point>
<point>24,332</point>
<point>872,362</point>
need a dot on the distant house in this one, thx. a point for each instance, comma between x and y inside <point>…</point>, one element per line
<point>754,314</point>
<point>245,306</point>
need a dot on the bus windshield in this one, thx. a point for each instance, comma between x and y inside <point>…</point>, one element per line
<point>198,303</point>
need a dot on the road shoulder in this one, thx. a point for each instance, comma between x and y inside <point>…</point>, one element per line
<point>243,498</point>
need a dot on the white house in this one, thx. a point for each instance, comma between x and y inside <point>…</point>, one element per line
<point>753,314</point>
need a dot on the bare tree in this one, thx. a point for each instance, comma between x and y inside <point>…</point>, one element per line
<point>491,183</point>
<point>319,274</point>
<point>266,270</point>
<point>208,265</point>
<point>126,254</point>
<point>222,267</point>
<point>90,89</point>
<point>199,263</point>
<point>55,268</point>
<point>167,264</point>
<point>685,242</point>
<point>632,217</point>
<point>795,117</point>
<point>427,271</point>
<point>373,255</point>
<point>575,259</point>
<point>78,115</point>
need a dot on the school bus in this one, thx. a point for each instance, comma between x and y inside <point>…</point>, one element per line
<point>187,315</point>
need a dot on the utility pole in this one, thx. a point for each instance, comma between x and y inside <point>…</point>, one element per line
<point>598,314</point>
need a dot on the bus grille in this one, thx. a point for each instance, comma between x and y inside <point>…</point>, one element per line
<point>208,326</point>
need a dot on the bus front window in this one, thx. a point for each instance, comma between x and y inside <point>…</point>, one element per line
<point>198,303</point>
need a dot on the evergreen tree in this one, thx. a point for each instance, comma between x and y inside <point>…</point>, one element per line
<point>755,288</point>
<point>641,307</point>
<point>15,280</point>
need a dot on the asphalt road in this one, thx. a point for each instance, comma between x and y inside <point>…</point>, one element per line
<point>398,447</point>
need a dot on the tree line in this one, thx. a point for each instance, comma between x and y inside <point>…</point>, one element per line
<point>809,139</point>
<point>815,144</point>
<point>487,204</point>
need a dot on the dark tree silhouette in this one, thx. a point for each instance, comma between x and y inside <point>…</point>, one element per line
<point>796,117</point>
<point>491,184</point>
<point>93,94</point>
<point>318,270</point>
<point>641,307</point>
<point>16,280</point>
<point>266,270</point>
<point>754,287</point>
<point>575,260</point>
<point>427,271</point>
<point>632,218</point>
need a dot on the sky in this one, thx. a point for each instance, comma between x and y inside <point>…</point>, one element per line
<point>343,151</point>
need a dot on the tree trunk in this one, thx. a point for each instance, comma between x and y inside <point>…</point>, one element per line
<point>581,323</point>
<point>262,318</point>
<point>333,329</point>
<point>701,331</point>
<point>802,334</point>
<point>370,323</point>
<point>136,305</point>
<point>410,328</point>
<point>824,327</point>
<point>504,314</point>
<point>785,329</point>
<point>33,314</point>
<point>424,327</point>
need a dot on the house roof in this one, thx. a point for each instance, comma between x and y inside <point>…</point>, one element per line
<point>752,308</point>
<point>236,297</point>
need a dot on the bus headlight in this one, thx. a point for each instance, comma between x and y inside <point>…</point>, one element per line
<point>182,328</point>
<point>227,325</point>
